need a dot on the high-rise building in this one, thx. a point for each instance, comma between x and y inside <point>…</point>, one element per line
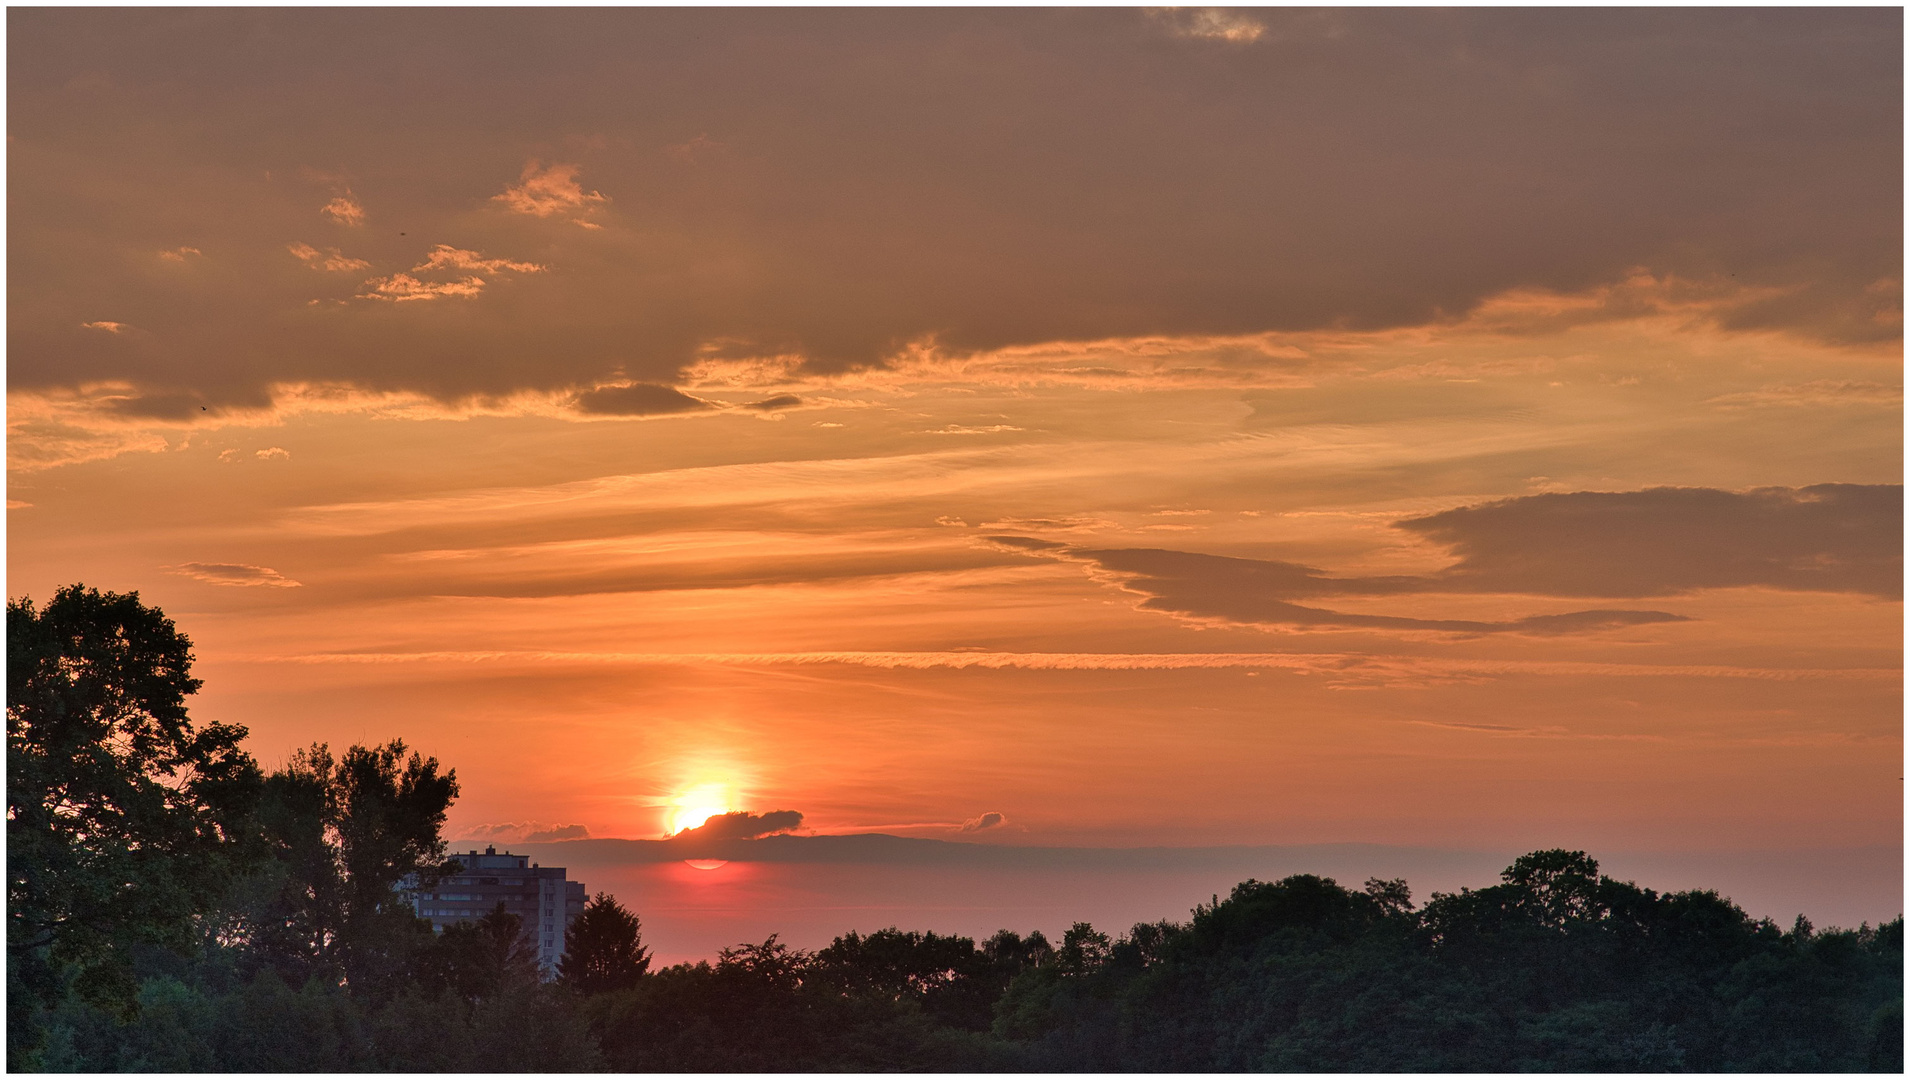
<point>540,896</point>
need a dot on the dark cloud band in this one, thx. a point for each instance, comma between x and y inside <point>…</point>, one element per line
<point>1658,542</point>
<point>832,184</point>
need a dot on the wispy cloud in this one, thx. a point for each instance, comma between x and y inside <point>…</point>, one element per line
<point>403,287</point>
<point>330,259</point>
<point>1814,392</point>
<point>345,209</point>
<point>971,429</point>
<point>1340,669</point>
<point>239,574</point>
<point>106,325</point>
<point>545,190</point>
<point>1654,543</point>
<point>531,832</point>
<point>444,256</point>
<point>179,254</point>
<point>1220,24</point>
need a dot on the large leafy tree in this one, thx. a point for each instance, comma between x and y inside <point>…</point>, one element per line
<point>124,818</point>
<point>603,948</point>
<point>349,834</point>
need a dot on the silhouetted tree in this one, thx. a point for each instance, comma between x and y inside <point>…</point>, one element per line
<point>347,833</point>
<point>603,949</point>
<point>479,961</point>
<point>121,813</point>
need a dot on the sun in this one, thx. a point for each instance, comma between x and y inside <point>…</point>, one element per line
<point>696,805</point>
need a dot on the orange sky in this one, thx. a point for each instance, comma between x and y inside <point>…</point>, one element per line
<point>899,417</point>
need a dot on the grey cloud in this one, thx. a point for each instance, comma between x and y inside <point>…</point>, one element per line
<point>780,401</point>
<point>239,574</point>
<point>521,832</point>
<point>990,177</point>
<point>640,399</point>
<point>1025,543</point>
<point>184,406</point>
<point>728,574</point>
<point>1666,541</point>
<point>990,820</point>
<point>1658,542</point>
<point>739,825</point>
<point>1259,592</point>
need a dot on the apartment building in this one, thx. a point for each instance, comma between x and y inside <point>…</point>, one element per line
<point>540,896</point>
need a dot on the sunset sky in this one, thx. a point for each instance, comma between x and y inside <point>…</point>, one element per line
<point>1472,430</point>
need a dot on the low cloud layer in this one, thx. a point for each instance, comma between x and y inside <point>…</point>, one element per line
<point>740,825</point>
<point>528,832</point>
<point>1653,543</point>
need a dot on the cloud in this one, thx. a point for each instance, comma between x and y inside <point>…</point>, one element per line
<point>531,832</point>
<point>990,820</point>
<point>1668,541</point>
<point>178,254</point>
<point>1221,24</point>
<point>552,189</point>
<point>780,401</point>
<point>271,453</point>
<point>167,406</point>
<point>1395,170</point>
<point>1336,670</point>
<point>345,210</point>
<point>739,825</point>
<point>102,324</point>
<point>1259,592</point>
<point>403,287</point>
<point>444,255</point>
<point>966,429</point>
<point>240,574</point>
<point>1814,392</point>
<point>1652,543</point>
<point>330,259</point>
<point>638,399</point>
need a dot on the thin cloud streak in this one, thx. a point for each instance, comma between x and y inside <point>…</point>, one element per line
<point>1321,663</point>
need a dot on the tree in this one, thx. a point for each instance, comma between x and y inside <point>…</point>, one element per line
<point>123,817</point>
<point>479,961</point>
<point>603,948</point>
<point>1562,885</point>
<point>1083,949</point>
<point>349,835</point>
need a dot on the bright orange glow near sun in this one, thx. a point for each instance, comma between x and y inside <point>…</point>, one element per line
<point>696,805</point>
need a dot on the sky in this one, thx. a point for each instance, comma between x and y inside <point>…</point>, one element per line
<point>1471,431</point>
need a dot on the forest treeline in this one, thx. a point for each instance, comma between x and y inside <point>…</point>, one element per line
<point>174,907</point>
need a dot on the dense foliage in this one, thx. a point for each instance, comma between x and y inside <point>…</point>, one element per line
<point>172,909</point>
<point>122,818</point>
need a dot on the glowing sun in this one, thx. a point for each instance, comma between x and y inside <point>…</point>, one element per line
<point>694,806</point>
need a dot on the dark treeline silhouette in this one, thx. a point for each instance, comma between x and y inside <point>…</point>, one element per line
<point>173,907</point>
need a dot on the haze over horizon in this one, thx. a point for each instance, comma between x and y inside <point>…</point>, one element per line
<point>1465,431</point>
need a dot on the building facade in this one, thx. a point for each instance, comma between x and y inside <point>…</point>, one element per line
<point>540,896</point>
